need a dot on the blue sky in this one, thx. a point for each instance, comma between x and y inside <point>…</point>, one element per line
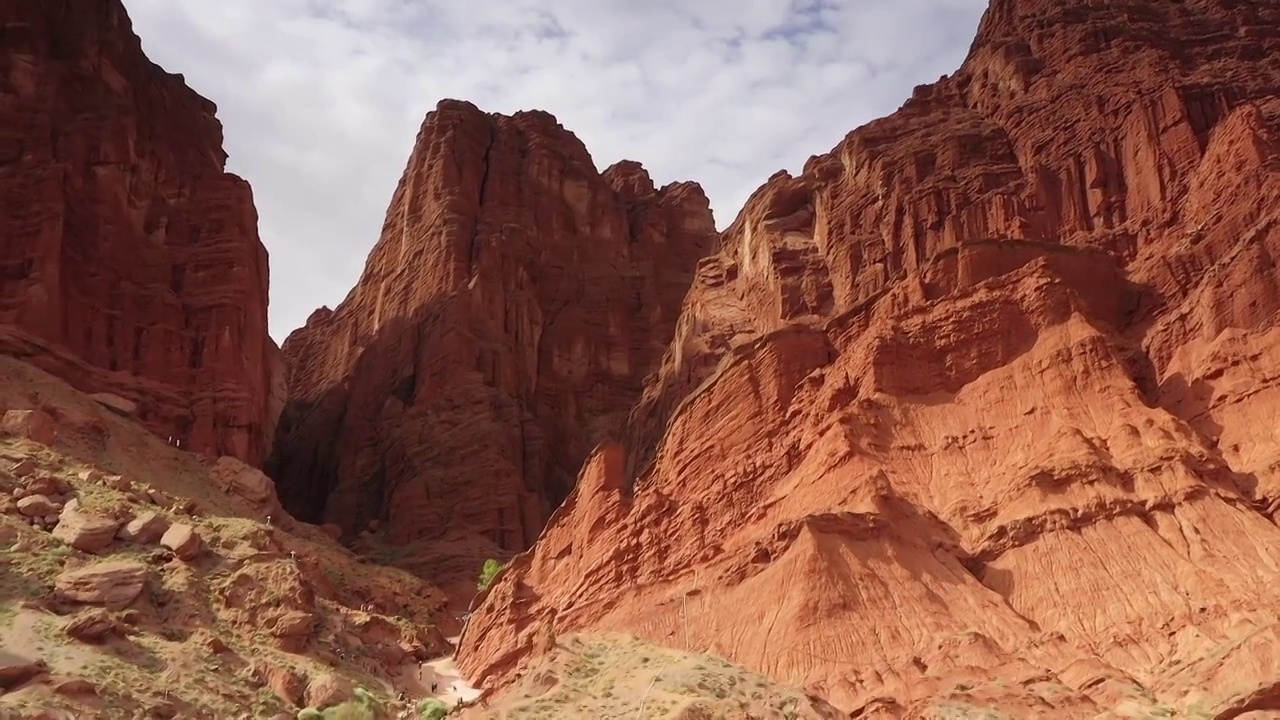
<point>321,99</point>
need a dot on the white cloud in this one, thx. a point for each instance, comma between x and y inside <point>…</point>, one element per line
<point>321,99</point>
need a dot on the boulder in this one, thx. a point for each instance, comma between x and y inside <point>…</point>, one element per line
<point>146,529</point>
<point>75,687</point>
<point>37,506</point>
<point>24,467</point>
<point>285,682</point>
<point>111,584</point>
<point>16,672</point>
<point>328,689</point>
<point>85,531</point>
<point>92,626</point>
<point>294,623</point>
<point>34,425</point>
<point>44,485</point>
<point>183,541</point>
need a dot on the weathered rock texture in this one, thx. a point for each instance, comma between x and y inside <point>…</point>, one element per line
<point>988,391</point>
<point>129,259</point>
<point>503,326</point>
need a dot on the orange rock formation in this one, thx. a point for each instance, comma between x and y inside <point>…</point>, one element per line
<point>129,259</point>
<point>503,326</point>
<point>987,392</point>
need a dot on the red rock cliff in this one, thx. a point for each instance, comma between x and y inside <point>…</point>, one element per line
<point>129,259</point>
<point>979,409</point>
<point>504,325</point>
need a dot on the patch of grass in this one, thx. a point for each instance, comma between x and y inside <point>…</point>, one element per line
<point>431,709</point>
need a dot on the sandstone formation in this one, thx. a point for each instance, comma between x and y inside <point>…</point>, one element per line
<point>980,407</point>
<point>503,326</point>
<point>130,262</point>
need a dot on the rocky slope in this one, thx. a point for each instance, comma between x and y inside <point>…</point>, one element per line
<point>129,259</point>
<point>978,409</point>
<point>138,580</point>
<point>504,325</point>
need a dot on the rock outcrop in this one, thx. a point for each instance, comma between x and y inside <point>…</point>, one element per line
<point>130,262</point>
<point>503,326</point>
<point>986,392</point>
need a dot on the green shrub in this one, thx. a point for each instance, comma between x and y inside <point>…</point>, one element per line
<point>365,698</point>
<point>488,573</point>
<point>310,714</point>
<point>432,709</point>
<point>350,710</point>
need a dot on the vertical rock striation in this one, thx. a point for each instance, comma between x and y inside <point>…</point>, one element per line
<point>504,324</point>
<point>129,258</point>
<point>986,391</point>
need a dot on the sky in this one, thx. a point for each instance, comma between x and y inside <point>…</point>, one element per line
<point>320,100</point>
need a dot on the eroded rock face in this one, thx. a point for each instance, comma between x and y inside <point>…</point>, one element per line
<point>504,325</point>
<point>130,262</point>
<point>987,391</point>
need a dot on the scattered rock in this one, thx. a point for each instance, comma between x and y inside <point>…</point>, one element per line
<point>44,485</point>
<point>327,689</point>
<point>285,682</point>
<point>37,506</point>
<point>118,482</point>
<point>7,505</point>
<point>13,674</point>
<point>236,478</point>
<point>116,404</point>
<point>92,627</point>
<point>332,530</point>
<point>72,687</point>
<point>159,498</point>
<point>113,584</point>
<point>145,529</point>
<point>183,541</point>
<point>162,709</point>
<point>93,475</point>
<point>24,468</point>
<point>85,531</point>
<point>294,623</point>
<point>33,425</point>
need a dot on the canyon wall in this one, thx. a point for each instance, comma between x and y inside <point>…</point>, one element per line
<point>979,407</point>
<point>504,324</point>
<point>129,258</point>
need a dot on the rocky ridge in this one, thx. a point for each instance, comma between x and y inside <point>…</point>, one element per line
<point>977,403</point>
<point>130,262</point>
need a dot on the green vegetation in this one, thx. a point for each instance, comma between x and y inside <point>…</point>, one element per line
<point>431,709</point>
<point>488,573</point>
<point>361,708</point>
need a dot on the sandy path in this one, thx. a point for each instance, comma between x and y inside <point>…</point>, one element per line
<point>451,687</point>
